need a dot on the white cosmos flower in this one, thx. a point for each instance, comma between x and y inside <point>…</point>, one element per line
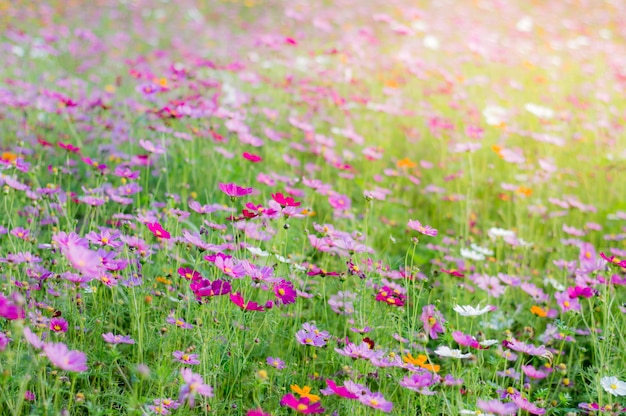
<point>472,255</point>
<point>489,342</point>
<point>613,385</point>
<point>444,351</point>
<point>495,232</point>
<point>257,251</point>
<point>482,250</point>
<point>494,115</point>
<point>282,259</point>
<point>469,310</point>
<point>539,111</point>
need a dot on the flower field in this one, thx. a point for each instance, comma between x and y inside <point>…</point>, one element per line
<point>338,207</point>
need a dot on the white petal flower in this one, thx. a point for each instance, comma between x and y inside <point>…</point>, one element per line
<point>469,310</point>
<point>613,385</point>
<point>489,342</point>
<point>472,255</point>
<point>444,351</point>
<point>257,251</point>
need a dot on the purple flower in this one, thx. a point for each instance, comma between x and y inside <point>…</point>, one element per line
<point>64,358</point>
<point>566,303</point>
<point>285,292</point>
<point>310,338</point>
<point>193,385</point>
<point>183,357</point>
<point>179,322</point>
<point>276,362</point>
<point>4,341</point>
<point>423,229</point>
<point>420,382</point>
<point>117,339</point>
<point>376,401</point>
<point>433,321</point>
<point>362,350</point>
<point>529,349</point>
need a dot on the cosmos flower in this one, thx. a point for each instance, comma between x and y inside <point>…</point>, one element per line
<point>193,384</point>
<point>302,405</point>
<point>433,321</point>
<point>58,325</point>
<point>158,230</point>
<point>613,385</point>
<point>469,310</point>
<point>497,407</point>
<point>64,358</point>
<point>275,362</point>
<point>444,351</point>
<point>117,339</point>
<point>423,229</point>
<point>185,358</point>
<point>234,191</point>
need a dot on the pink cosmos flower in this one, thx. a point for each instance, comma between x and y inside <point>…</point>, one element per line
<point>433,321</point>
<point>524,404</point>
<point>533,373</point>
<point>234,191</point>
<point>497,407</point>
<point>63,358</point>
<point>303,405</point>
<point>33,339</point>
<point>117,339</point>
<point>158,230</point>
<point>86,261</point>
<point>423,229</point>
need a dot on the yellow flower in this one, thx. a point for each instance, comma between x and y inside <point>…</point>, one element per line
<point>305,392</point>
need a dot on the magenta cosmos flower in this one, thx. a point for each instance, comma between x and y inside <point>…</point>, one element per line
<point>340,391</point>
<point>423,229</point>
<point>234,191</point>
<point>158,230</point>
<point>9,310</point>
<point>58,325</point>
<point>63,358</point>
<point>303,405</point>
<point>193,385</point>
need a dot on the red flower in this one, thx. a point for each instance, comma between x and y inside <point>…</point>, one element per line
<point>157,230</point>
<point>285,201</point>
